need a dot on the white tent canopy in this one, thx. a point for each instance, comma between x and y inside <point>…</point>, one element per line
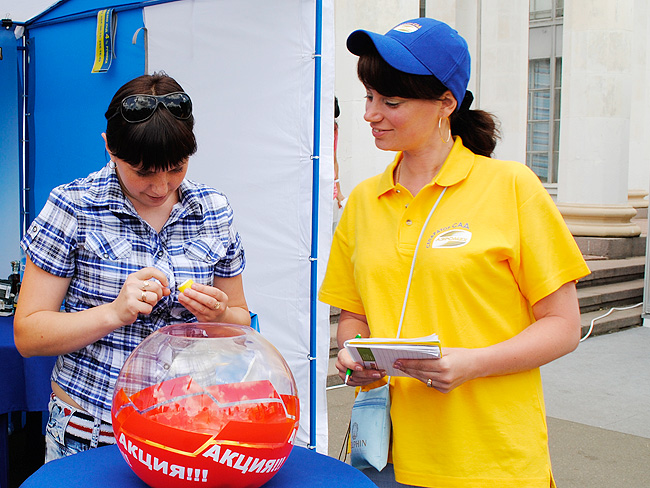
<point>249,67</point>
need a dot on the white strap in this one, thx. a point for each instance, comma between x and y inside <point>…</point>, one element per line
<point>415,253</point>
<point>417,245</point>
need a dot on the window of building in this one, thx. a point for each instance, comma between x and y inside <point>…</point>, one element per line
<point>546,9</point>
<point>544,88</point>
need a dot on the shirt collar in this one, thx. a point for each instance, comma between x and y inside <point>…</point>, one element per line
<point>455,169</point>
<point>105,191</point>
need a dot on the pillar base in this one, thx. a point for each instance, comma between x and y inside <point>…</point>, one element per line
<point>611,247</point>
<point>600,220</point>
<point>637,198</point>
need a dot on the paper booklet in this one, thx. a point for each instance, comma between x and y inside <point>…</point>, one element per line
<point>381,353</point>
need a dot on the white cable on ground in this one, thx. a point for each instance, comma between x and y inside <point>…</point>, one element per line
<point>591,325</point>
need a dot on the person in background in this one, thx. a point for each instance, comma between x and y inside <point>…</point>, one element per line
<point>494,276</point>
<point>114,247</point>
<point>338,196</point>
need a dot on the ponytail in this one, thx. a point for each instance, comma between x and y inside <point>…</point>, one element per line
<point>478,129</point>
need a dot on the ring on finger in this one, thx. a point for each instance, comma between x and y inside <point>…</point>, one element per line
<point>145,284</point>
<point>143,297</point>
<point>430,383</point>
<point>217,305</point>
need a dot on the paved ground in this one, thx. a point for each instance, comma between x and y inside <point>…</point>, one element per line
<point>598,406</point>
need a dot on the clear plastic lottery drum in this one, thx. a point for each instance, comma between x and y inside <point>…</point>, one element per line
<point>210,405</point>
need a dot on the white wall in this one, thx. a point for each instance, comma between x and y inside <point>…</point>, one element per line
<point>357,155</point>
<point>249,67</point>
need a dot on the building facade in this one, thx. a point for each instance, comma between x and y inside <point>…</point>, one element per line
<point>566,79</point>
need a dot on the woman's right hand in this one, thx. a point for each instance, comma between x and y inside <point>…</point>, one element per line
<point>139,294</point>
<point>41,329</point>
<point>360,376</point>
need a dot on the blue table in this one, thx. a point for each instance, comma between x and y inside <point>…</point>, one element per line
<point>105,468</point>
<point>24,386</point>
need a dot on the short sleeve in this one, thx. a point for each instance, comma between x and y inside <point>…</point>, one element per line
<point>235,260</point>
<point>549,254</point>
<point>339,288</point>
<point>221,219</point>
<point>50,241</point>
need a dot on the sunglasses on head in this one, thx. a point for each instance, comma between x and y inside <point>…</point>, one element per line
<point>138,108</point>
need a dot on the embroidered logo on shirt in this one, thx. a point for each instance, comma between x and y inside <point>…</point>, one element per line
<point>450,238</point>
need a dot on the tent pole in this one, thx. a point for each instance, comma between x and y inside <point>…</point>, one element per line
<point>314,226</point>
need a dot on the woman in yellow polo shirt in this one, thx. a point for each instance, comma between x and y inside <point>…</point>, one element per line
<point>494,275</point>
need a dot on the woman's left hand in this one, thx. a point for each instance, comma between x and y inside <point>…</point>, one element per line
<point>207,303</point>
<point>454,368</point>
<point>555,332</point>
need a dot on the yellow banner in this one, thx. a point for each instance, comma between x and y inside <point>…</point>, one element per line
<point>105,40</point>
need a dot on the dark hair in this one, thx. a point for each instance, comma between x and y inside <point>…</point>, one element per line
<point>477,128</point>
<point>159,143</point>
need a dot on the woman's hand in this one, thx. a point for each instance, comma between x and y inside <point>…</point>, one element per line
<point>207,303</point>
<point>555,332</point>
<point>139,294</point>
<point>454,368</point>
<point>41,329</point>
<point>353,325</point>
<point>360,376</point>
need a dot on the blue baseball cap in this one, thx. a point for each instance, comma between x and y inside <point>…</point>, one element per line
<point>421,46</point>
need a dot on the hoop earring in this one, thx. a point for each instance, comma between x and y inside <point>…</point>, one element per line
<point>448,129</point>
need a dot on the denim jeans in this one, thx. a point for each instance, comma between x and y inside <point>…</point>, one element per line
<point>58,443</point>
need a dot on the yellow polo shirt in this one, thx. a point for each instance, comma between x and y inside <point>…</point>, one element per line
<point>495,245</point>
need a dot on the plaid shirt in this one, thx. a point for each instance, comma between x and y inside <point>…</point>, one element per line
<point>90,232</point>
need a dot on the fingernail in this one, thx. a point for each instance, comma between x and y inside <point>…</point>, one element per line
<point>397,365</point>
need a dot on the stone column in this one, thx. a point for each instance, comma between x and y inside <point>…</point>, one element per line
<point>639,175</point>
<point>497,36</point>
<point>597,79</point>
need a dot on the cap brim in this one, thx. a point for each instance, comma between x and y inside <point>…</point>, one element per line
<point>360,42</point>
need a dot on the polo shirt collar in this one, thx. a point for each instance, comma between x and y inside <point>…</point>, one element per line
<point>450,174</point>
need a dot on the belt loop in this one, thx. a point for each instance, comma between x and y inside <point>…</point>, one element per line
<point>94,439</point>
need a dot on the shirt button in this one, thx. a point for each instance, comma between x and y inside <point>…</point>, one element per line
<point>397,191</point>
<point>105,255</point>
<point>409,222</point>
<point>160,254</point>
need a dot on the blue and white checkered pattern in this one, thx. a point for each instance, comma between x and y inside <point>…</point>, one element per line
<point>89,232</point>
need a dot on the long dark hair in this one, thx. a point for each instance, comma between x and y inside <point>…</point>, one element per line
<point>161,142</point>
<point>478,129</point>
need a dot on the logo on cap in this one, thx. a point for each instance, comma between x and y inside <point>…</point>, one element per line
<point>408,27</point>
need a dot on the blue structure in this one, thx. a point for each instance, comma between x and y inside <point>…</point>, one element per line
<point>10,137</point>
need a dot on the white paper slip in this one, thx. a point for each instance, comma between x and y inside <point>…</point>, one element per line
<point>381,353</point>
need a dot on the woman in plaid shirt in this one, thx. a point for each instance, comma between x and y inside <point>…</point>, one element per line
<point>114,247</point>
